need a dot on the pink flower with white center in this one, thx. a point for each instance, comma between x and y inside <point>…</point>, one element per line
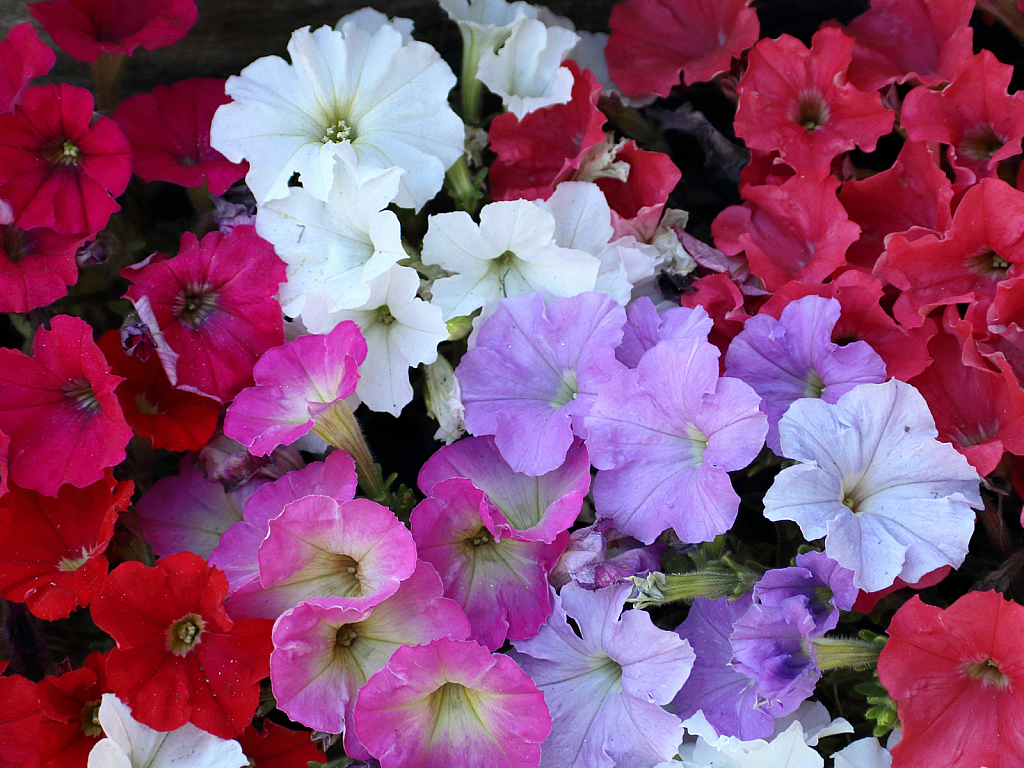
<point>295,384</point>
<point>318,548</point>
<point>325,649</point>
<point>499,580</point>
<point>451,703</point>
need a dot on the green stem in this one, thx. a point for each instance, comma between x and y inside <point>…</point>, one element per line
<point>663,588</point>
<point>338,426</point>
<point>848,652</point>
<point>104,74</point>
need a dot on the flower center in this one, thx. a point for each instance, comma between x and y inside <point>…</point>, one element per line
<point>810,110</point>
<point>980,143</point>
<point>15,243</point>
<point>142,405</point>
<point>73,564</point>
<point>481,538</point>
<point>79,392</point>
<point>989,263</point>
<point>194,304</point>
<point>567,389</point>
<point>65,153</point>
<point>91,719</point>
<point>346,636</point>
<point>337,133</point>
<point>184,634</point>
<point>988,672</point>
<point>698,442</point>
<point>384,315</point>
<point>815,386</point>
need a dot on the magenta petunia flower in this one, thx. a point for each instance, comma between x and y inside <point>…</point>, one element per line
<point>36,267</point>
<point>23,56</point>
<point>535,371</point>
<point>665,436</point>
<point>325,650</point>
<point>86,28</point>
<point>58,168</point>
<point>59,409</point>
<point>211,309</point>
<point>169,130</point>
<point>451,703</point>
<point>295,384</point>
<point>605,685</point>
<point>499,580</point>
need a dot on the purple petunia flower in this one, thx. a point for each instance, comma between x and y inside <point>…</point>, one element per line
<point>827,586</point>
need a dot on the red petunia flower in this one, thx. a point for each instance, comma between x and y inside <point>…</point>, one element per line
<point>984,246</point>
<point>5,444</point>
<point>51,549</point>
<point>547,145</point>
<point>797,101</point>
<point>60,410</point>
<point>36,266</point>
<point>71,704</point>
<point>169,130</point>
<point>211,309</point>
<point>20,720</point>
<point>171,418</point>
<point>957,676</point>
<point>722,299</point>
<point>652,41</point>
<point>638,202</point>
<point>179,658</point>
<point>22,57</point>
<point>900,41</point>
<point>279,747</point>
<point>795,231</point>
<point>56,169</point>
<point>85,28</point>
<point>974,115</point>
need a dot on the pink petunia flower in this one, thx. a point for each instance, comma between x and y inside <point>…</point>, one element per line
<point>451,703</point>
<point>86,28</point>
<point>211,308</point>
<point>169,130</point>
<point>58,168</point>
<point>23,56</point>
<point>36,266</point>
<point>60,410</point>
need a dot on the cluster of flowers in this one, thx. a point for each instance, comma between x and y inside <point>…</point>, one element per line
<point>850,349</point>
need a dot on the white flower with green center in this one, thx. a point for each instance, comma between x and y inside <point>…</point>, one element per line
<point>335,247</point>
<point>511,251</point>
<point>353,94</point>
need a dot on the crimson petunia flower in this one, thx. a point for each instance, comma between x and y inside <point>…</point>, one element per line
<point>70,704</point>
<point>797,101</point>
<point>36,266</point>
<point>974,115</point>
<point>171,418</point>
<point>60,410</point>
<point>547,145</point>
<point>169,130</point>
<point>179,658</point>
<point>652,41</point>
<point>20,720</point>
<point>279,747</point>
<point>59,169</point>
<point>212,309</point>
<point>22,57</point>
<point>51,549</point>
<point>638,202</point>
<point>957,676</point>
<point>86,28</point>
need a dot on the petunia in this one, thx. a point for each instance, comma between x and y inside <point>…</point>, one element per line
<point>59,409</point>
<point>451,703</point>
<point>534,372</point>
<point>36,266</point>
<point>86,28</point>
<point>498,578</point>
<point>890,499</point>
<point>276,746</point>
<point>827,586</point>
<point>665,435</point>
<point>598,556</point>
<point>51,549</point>
<point>652,42</point>
<point>20,721</point>
<point>605,681</point>
<point>129,743</point>
<point>211,309</point>
<point>179,658</point>
<point>169,131</point>
<point>23,56</point>
<point>350,93</point>
<point>956,676</point>
<point>58,168</point>
<point>70,704</point>
<point>794,357</point>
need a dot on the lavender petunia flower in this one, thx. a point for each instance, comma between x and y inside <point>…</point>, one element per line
<point>645,327</point>
<point>794,357</point>
<point>665,436</point>
<point>605,687</point>
<point>599,556</point>
<point>535,372</point>
<point>827,586</point>
<point>890,499</point>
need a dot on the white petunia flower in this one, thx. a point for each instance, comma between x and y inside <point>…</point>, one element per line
<point>353,94</point>
<point>335,248</point>
<point>889,498</point>
<point>484,25</point>
<point>527,71</point>
<point>130,744</point>
<point>510,252</point>
<point>401,331</point>
<point>864,753</point>
<point>371,20</point>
